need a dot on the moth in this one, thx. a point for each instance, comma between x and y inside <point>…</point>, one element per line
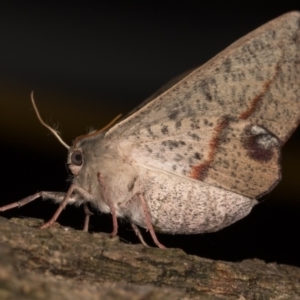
<point>200,155</point>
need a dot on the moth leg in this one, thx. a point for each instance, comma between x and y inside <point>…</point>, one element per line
<point>87,213</point>
<point>138,233</point>
<point>22,202</point>
<point>62,205</point>
<point>66,198</point>
<point>56,196</point>
<point>110,203</point>
<point>59,197</point>
<point>62,198</point>
<point>148,221</point>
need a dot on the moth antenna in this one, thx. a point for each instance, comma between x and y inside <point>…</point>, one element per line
<point>46,125</point>
<point>113,121</point>
<point>94,133</point>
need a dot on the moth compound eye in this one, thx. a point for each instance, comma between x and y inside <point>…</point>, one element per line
<point>76,158</point>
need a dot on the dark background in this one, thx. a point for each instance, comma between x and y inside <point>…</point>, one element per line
<point>87,63</point>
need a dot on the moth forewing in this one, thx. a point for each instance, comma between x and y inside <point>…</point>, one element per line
<point>206,123</point>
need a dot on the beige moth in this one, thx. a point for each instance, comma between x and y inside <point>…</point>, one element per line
<point>201,154</point>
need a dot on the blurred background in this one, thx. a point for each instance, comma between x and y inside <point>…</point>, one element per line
<point>89,62</point>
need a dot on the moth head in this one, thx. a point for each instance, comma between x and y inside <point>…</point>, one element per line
<point>76,157</point>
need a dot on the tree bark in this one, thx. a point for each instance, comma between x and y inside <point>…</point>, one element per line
<point>62,263</point>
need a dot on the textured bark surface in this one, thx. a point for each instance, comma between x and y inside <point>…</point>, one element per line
<point>62,263</point>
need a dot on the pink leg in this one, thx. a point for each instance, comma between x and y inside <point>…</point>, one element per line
<point>60,208</point>
<point>87,217</point>
<point>59,197</point>
<point>110,203</point>
<point>21,202</point>
<point>138,233</point>
<point>56,196</point>
<point>148,221</point>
